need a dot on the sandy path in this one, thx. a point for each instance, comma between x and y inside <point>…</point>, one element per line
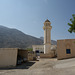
<point>45,67</point>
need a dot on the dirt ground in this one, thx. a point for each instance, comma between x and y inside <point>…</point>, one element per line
<point>43,67</point>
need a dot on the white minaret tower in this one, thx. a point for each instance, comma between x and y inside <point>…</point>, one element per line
<point>47,36</point>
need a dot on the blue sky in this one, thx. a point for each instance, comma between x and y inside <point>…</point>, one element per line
<point>29,16</point>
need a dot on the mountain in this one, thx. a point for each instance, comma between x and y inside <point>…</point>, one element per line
<point>53,42</point>
<point>42,38</point>
<point>13,38</point>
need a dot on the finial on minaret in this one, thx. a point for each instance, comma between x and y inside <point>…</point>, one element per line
<point>47,20</point>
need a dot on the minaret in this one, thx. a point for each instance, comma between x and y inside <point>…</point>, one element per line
<point>47,36</point>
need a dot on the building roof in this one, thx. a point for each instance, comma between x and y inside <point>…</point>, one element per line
<point>47,20</point>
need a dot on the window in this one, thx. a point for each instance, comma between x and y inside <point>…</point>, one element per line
<point>68,51</point>
<point>37,51</point>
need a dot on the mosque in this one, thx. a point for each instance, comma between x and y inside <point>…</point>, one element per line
<point>46,48</point>
<point>64,49</point>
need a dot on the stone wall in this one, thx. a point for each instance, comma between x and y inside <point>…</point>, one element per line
<point>8,57</point>
<point>23,53</point>
<point>50,55</point>
<point>31,56</point>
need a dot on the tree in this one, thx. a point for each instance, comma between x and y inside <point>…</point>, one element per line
<point>72,24</point>
<point>29,49</point>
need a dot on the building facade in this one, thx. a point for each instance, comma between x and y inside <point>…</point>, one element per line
<point>9,56</point>
<point>65,48</point>
<point>39,48</point>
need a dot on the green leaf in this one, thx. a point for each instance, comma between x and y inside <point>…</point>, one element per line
<point>72,26</point>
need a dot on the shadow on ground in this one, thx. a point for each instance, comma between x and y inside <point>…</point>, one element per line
<point>25,65</point>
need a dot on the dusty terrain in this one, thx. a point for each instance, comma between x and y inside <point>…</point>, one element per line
<point>43,67</point>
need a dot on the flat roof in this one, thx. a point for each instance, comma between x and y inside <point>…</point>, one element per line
<point>65,39</point>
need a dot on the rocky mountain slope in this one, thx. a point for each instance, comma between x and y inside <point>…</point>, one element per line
<point>13,38</point>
